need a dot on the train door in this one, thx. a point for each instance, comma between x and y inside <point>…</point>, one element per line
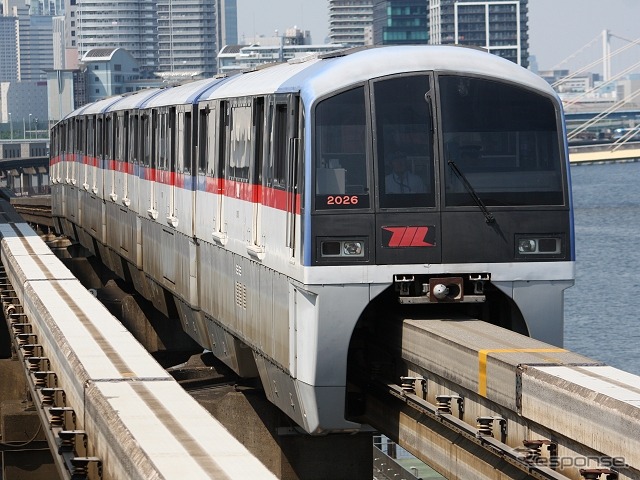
<point>204,168</point>
<point>219,228</point>
<point>133,146</point>
<point>75,174</point>
<point>149,121</point>
<point>165,143</point>
<point>257,180</point>
<point>408,226</point>
<point>180,189</point>
<point>98,164</point>
<point>91,152</point>
<point>284,162</point>
<point>108,176</point>
<point>121,151</point>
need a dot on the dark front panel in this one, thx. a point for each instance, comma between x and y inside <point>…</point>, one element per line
<point>468,238</point>
<point>404,238</point>
<point>343,239</point>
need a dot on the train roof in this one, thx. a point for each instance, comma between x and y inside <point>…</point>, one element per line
<point>318,75</point>
<point>95,107</point>
<point>136,100</point>
<point>322,75</point>
<point>183,94</point>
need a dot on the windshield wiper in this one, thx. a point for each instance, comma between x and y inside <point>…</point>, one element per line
<point>471,191</point>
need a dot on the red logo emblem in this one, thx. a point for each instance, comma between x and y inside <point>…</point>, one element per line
<point>408,237</point>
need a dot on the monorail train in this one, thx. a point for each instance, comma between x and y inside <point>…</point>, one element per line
<point>275,211</point>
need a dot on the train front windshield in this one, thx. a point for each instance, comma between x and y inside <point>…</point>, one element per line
<point>503,141</point>
<point>496,141</point>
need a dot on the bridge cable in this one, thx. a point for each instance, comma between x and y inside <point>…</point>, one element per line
<point>596,62</point>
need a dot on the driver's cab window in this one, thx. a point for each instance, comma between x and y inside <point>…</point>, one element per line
<point>404,141</point>
<point>341,155</point>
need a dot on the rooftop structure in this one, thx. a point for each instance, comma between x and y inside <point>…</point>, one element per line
<point>110,71</point>
<point>233,58</point>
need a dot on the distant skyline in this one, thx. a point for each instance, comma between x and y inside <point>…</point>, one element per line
<point>557,28</point>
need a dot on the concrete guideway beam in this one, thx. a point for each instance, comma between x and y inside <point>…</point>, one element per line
<point>543,403</point>
<point>92,380</point>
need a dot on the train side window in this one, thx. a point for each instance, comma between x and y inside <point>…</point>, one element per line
<point>258,125</point>
<point>146,141</point>
<point>222,139</point>
<point>341,170</point>
<point>279,157</point>
<point>161,141</point>
<point>91,125</point>
<point>99,137</point>
<point>125,138</point>
<point>108,137</point>
<point>187,145</point>
<point>240,144</point>
<point>80,132</point>
<point>118,151</point>
<point>203,140</point>
<point>134,143</point>
<point>172,152</point>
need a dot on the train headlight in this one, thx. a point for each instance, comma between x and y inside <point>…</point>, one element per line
<point>334,248</point>
<point>530,245</point>
<point>526,245</point>
<point>352,249</point>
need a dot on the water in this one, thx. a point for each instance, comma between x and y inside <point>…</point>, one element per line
<point>602,310</point>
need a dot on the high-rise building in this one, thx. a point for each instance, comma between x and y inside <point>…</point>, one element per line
<point>36,47</point>
<point>9,50</point>
<point>348,21</point>
<point>227,23</point>
<point>187,38</point>
<point>128,24</point>
<point>399,22</point>
<point>500,26</point>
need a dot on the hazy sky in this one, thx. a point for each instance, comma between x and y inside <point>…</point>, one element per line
<point>557,28</point>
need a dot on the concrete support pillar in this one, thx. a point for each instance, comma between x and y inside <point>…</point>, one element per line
<point>289,454</point>
<point>26,454</point>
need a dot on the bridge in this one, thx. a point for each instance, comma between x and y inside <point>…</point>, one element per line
<point>604,152</point>
<point>467,397</point>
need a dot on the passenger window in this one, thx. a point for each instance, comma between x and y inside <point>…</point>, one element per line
<point>203,141</point>
<point>279,157</point>
<point>341,155</point>
<point>240,151</point>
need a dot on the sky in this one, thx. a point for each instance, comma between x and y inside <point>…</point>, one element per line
<point>558,29</point>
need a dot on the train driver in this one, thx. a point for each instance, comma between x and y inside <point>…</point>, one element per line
<point>402,179</point>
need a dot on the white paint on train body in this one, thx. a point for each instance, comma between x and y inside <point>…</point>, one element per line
<point>242,198</point>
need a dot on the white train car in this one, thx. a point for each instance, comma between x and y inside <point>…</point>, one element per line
<point>276,211</point>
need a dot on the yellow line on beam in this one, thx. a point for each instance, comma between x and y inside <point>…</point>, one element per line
<point>482,361</point>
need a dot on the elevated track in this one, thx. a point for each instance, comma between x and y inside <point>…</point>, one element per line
<point>468,398</point>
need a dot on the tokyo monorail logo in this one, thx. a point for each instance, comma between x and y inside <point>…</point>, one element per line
<point>411,236</point>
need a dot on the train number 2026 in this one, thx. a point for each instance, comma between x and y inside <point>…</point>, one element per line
<point>343,200</point>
